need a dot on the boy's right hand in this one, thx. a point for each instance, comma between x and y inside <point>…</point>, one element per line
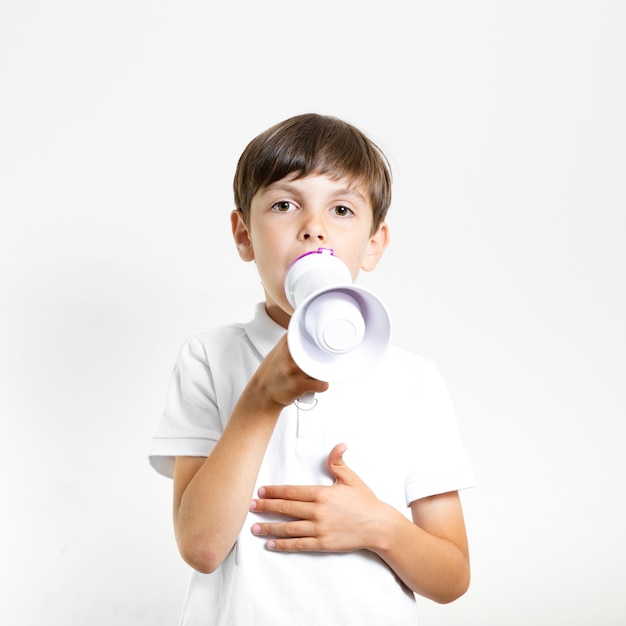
<point>278,381</point>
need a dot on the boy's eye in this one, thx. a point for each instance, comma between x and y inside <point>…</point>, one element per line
<point>342,211</point>
<point>283,206</point>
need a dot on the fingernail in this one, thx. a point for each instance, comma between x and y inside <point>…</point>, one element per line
<point>256,529</point>
<point>253,505</point>
<point>271,545</point>
<point>262,492</point>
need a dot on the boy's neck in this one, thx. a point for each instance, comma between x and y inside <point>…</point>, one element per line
<point>277,314</point>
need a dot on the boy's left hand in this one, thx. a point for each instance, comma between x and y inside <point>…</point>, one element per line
<point>338,518</point>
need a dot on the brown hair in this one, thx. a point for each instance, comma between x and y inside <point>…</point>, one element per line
<point>313,143</point>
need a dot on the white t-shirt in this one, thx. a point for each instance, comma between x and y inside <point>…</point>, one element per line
<point>403,441</point>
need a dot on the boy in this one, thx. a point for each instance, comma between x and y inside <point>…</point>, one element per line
<point>279,528</point>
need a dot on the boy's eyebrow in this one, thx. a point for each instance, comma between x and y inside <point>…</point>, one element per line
<point>351,191</point>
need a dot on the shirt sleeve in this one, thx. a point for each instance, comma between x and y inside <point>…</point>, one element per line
<point>440,462</point>
<point>190,425</point>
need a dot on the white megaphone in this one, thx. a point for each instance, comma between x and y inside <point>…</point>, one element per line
<point>338,331</point>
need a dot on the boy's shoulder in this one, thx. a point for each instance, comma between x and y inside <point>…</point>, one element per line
<point>400,357</point>
<point>216,338</point>
<point>234,341</point>
<point>218,333</point>
<point>404,371</point>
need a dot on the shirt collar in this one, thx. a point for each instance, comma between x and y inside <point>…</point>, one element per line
<point>263,331</point>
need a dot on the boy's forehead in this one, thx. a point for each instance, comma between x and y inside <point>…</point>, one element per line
<point>340,182</point>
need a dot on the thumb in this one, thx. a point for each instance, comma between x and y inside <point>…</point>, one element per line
<point>336,464</point>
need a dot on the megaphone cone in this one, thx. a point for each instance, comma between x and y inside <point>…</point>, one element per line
<point>338,331</point>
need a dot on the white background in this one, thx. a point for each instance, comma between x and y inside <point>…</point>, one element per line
<point>120,126</point>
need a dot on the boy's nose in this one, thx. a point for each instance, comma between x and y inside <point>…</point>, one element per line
<point>313,229</point>
<point>314,235</point>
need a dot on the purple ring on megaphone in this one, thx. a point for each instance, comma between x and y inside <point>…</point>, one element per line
<point>321,250</point>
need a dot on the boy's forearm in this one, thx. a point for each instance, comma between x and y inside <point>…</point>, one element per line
<point>210,512</point>
<point>431,566</point>
<point>211,500</point>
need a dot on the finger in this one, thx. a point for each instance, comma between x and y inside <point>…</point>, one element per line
<point>336,454</point>
<point>337,466</point>
<point>299,493</point>
<point>300,544</point>
<point>288,508</point>
<point>292,529</point>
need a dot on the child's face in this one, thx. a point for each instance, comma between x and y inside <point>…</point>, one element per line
<point>293,216</point>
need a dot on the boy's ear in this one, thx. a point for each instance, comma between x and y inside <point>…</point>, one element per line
<point>376,247</point>
<point>241,236</point>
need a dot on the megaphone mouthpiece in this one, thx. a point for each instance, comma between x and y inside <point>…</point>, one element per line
<point>319,269</point>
